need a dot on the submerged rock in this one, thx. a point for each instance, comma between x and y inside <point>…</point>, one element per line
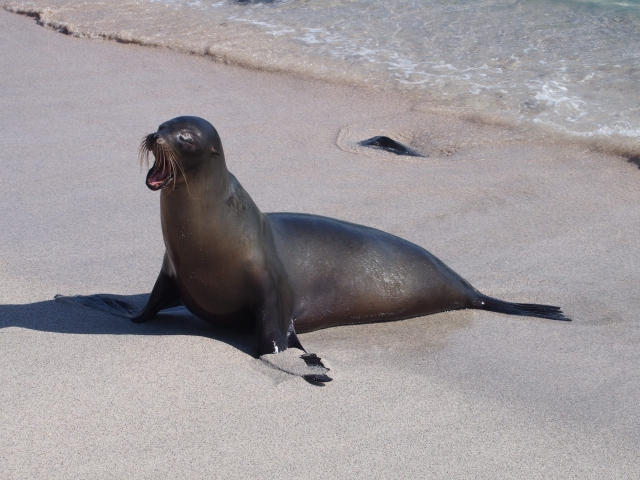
<point>390,145</point>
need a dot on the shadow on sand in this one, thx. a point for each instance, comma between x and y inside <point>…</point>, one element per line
<point>74,318</point>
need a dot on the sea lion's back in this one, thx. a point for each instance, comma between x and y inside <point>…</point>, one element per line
<point>345,273</point>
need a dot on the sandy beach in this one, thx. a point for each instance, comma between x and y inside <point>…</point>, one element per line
<point>465,394</point>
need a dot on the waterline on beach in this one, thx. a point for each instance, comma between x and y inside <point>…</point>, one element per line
<point>570,67</point>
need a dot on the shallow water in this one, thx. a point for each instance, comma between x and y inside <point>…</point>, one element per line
<point>571,65</point>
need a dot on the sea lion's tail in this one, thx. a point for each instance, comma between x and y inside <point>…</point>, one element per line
<point>525,309</point>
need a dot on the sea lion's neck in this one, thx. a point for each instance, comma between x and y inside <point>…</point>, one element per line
<point>205,185</point>
<point>214,210</point>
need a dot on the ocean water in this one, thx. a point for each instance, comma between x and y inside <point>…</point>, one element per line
<point>572,66</point>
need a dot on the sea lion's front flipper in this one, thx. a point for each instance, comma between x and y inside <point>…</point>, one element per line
<point>164,295</point>
<point>104,303</point>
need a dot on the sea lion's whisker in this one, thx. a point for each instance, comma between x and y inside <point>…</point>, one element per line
<point>171,164</point>
<point>166,160</point>
<point>183,176</point>
<point>143,153</point>
<point>161,156</point>
<point>176,158</point>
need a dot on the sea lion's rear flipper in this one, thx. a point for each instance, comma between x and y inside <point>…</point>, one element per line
<point>278,344</point>
<point>525,309</point>
<point>312,360</point>
<point>296,362</point>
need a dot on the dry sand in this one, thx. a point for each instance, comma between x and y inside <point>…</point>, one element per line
<point>462,394</point>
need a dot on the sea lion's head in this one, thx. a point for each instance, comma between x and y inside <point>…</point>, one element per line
<point>180,145</point>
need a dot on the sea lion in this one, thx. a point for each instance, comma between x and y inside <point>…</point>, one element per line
<point>283,273</point>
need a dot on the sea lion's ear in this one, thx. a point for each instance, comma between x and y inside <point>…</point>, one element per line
<point>214,151</point>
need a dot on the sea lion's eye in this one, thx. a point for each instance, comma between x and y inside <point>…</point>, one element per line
<point>185,138</point>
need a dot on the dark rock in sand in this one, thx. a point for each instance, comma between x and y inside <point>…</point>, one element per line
<point>390,145</point>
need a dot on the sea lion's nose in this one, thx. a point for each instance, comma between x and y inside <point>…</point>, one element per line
<point>152,138</point>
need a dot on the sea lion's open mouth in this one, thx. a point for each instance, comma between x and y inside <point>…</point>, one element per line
<point>159,176</point>
<point>166,164</point>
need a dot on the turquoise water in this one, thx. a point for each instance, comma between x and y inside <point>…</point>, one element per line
<point>571,65</point>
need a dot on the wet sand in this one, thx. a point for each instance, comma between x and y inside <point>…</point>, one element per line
<point>461,394</point>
